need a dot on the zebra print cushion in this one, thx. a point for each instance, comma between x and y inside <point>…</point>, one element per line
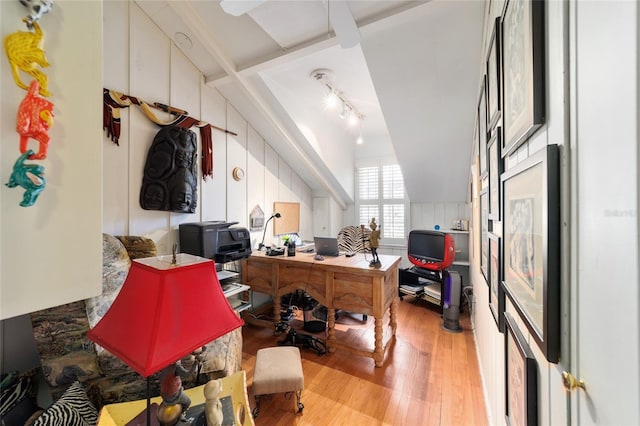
<point>14,389</point>
<point>72,409</point>
<point>354,239</point>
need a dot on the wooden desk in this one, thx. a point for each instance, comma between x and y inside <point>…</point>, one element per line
<point>233,385</point>
<point>342,282</point>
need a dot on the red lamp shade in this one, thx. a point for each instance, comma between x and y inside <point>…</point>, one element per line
<point>165,311</point>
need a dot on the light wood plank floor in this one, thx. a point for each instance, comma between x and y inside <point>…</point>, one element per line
<point>430,376</point>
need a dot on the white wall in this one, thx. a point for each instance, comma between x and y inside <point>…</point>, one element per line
<point>592,113</point>
<point>51,252</point>
<point>67,220</point>
<point>141,61</point>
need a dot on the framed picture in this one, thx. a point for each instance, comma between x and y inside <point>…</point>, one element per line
<point>531,246</point>
<point>493,77</point>
<point>523,54</point>
<point>521,378</point>
<point>482,129</point>
<point>495,170</point>
<point>484,233</point>
<point>496,293</point>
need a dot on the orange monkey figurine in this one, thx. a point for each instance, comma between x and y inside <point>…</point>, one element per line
<point>35,117</point>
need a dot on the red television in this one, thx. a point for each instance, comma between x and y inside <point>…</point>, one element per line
<point>433,250</point>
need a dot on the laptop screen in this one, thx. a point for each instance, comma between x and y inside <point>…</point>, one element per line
<point>326,246</point>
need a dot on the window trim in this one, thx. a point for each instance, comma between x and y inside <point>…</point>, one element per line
<point>380,201</point>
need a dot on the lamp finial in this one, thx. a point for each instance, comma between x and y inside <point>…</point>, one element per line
<point>174,260</point>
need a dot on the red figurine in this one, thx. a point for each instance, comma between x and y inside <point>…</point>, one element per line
<point>35,117</point>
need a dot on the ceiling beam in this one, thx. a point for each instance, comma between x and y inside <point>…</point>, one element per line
<point>319,43</point>
<point>192,19</point>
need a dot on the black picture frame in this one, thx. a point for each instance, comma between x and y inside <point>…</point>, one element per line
<point>496,292</point>
<point>494,74</point>
<point>484,232</point>
<point>495,166</point>
<point>531,245</point>
<point>521,378</point>
<point>523,71</point>
<point>482,128</point>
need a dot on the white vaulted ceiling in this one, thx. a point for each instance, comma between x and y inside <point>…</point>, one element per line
<point>413,74</point>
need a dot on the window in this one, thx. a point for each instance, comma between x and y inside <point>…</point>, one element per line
<point>381,195</point>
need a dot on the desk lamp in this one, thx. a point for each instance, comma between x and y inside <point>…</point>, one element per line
<point>277,216</point>
<point>168,307</point>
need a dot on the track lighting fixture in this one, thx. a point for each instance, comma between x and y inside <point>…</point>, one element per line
<point>335,98</point>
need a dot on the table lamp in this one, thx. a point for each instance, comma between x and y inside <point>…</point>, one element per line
<point>168,307</point>
<point>277,216</point>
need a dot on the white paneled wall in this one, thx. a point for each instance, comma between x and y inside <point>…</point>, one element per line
<point>51,252</point>
<point>214,106</point>
<point>158,72</point>
<point>236,157</point>
<point>428,215</point>
<point>552,405</point>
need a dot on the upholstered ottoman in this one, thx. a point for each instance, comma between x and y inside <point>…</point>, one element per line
<point>278,370</point>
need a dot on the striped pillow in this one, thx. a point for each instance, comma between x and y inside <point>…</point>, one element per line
<point>72,409</point>
<point>14,388</point>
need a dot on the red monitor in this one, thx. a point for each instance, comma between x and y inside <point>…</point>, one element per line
<point>432,250</point>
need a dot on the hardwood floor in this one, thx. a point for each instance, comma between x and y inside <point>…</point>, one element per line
<point>430,376</point>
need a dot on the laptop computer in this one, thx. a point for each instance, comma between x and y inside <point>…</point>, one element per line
<point>326,246</point>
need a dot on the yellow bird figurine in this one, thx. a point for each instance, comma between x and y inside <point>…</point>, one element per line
<point>25,52</point>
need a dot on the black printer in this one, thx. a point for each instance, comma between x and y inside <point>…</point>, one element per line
<point>216,240</point>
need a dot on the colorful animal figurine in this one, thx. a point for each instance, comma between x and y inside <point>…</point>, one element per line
<point>36,8</point>
<point>24,51</point>
<point>29,177</point>
<point>35,117</point>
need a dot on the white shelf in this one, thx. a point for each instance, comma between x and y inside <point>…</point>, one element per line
<point>461,262</point>
<point>224,274</point>
<point>239,305</point>
<point>433,291</point>
<point>412,290</point>
<point>231,289</point>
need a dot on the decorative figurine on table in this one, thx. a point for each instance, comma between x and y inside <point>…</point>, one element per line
<point>29,177</point>
<point>374,239</point>
<point>213,406</point>
<point>35,117</point>
<point>174,401</point>
<point>24,51</point>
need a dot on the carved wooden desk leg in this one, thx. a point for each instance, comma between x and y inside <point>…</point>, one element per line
<point>276,309</point>
<point>378,353</point>
<point>393,310</point>
<point>331,339</point>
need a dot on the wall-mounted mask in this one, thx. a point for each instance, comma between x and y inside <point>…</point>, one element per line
<point>170,172</point>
